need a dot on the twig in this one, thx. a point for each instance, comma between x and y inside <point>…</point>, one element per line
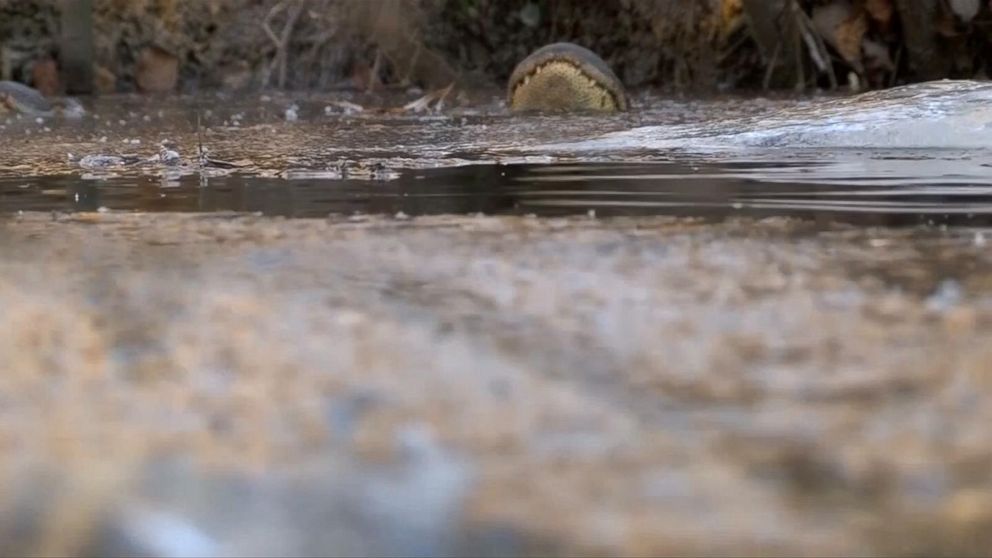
<point>423,103</point>
<point>770,70</point>
<point>201,157</point>
<point>374,80</point>
<point>267,28</point>
<point>316,46</point>
<point>444,95</point>
<point>287,33</point>
<point>895,66</point>
<point>730,49</point>
<point>817,48</point>
<point>267,20</point>
<point>281,42</point>
<point>412,65</point>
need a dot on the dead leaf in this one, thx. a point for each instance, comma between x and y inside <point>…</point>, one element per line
<point>156,70</point>
<point>45,77</point>
<point>365,77</point>
<point>881,12</point>
<point>104,80</point>
<point>731,17</point>
<point>843,28</point>
<point>849,37</point>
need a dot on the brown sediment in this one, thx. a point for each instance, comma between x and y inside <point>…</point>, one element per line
<point>612,386</point>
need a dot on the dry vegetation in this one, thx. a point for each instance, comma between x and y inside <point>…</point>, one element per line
<point>680,44</point>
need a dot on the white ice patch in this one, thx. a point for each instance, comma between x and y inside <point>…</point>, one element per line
<point>937,115</point>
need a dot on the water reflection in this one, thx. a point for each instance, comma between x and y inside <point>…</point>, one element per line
<point>874,188</point>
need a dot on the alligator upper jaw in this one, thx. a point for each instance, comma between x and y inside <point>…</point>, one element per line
<point>565,77</point>
<point>560,86</point>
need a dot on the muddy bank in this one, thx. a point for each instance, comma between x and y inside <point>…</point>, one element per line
<point>275,133</point>
<point>628,386</point>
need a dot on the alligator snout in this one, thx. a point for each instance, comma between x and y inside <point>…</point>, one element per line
<point>564,77</point>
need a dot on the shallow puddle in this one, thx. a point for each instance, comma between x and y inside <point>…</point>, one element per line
<point>912,155</point>
<point>881,188</point>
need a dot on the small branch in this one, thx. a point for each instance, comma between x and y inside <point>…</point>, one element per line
<point>817,48</point>
<point>281,42</point>
<point>201,157</point>
<point>770,70</point>
<point>287,33</point>
<point>895,66</point>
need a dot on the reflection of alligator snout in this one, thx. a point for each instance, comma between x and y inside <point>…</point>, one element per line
<point>565,77</point>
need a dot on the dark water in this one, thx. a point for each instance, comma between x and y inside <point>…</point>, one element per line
<point>895,190</point>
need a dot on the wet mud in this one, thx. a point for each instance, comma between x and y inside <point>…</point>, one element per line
<point>275,134</point>
<point>493,385</point>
